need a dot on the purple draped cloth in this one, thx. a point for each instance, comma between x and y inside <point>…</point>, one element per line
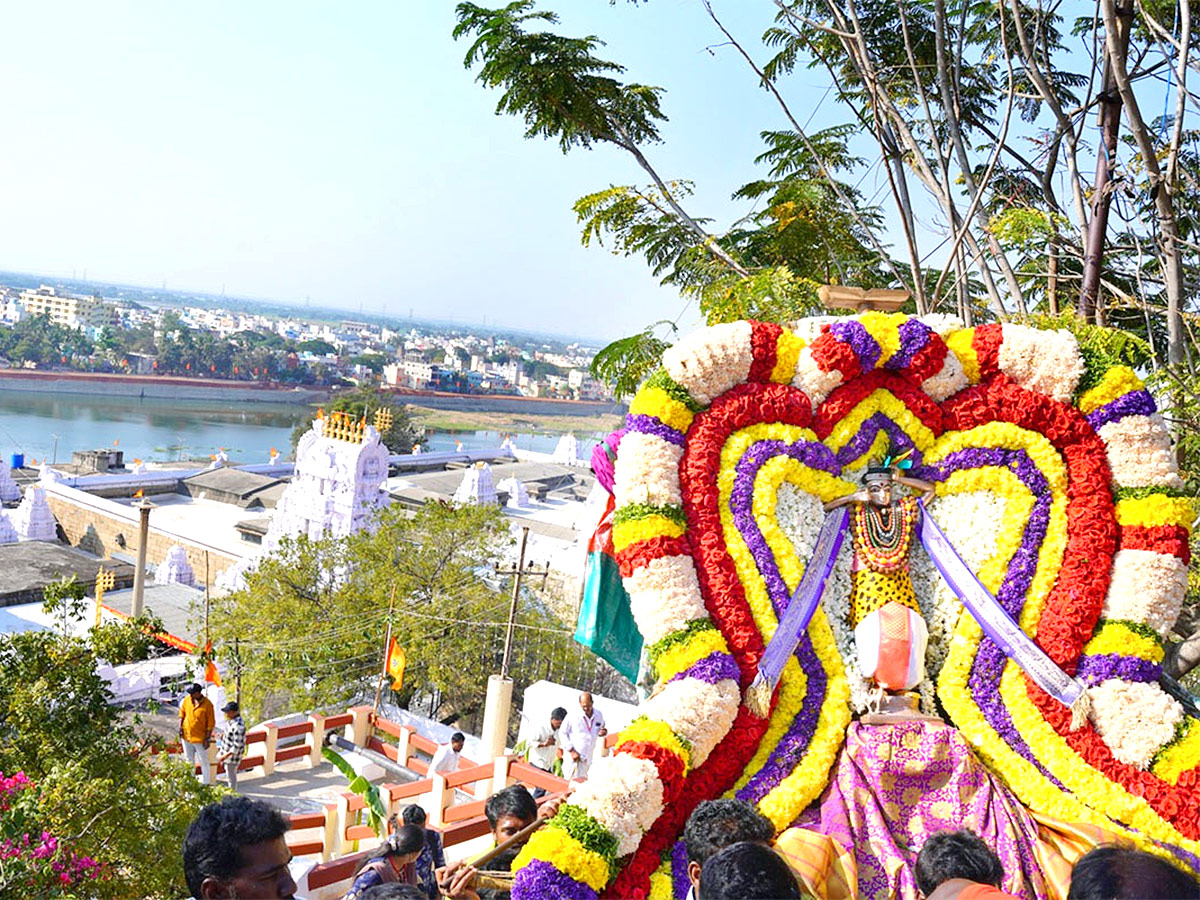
<point>894,785</point>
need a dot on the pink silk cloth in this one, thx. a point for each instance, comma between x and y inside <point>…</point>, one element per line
<point>892,787</point>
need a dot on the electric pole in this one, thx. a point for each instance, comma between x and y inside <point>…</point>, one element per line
<point>518,572</point>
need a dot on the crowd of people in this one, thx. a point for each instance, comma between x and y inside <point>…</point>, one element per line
<point>236,848</point>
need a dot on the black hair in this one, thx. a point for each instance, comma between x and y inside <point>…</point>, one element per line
<point>457,736</point>
<point>405,839</point>
<point>558,713</point>
<point>212,847</point>
<point>956,854</point>
<point>393,892</point>
<point>412,815</point>
<point>716,824</point>
<point>1114,873</point>
<point>747,870</point>
<point>512,801</point>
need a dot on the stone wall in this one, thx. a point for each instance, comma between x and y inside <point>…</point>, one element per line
<point>96,532</point>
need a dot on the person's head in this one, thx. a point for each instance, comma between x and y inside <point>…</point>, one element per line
<point>235,848</point>
<point>456,741</point>
<point>879,485</point>
<point>717,824</point>
<point>558,715</point>
<point>413,815</point>
<point>510,810</point>
<point>195,692</point>
<point>956,854</point>
<point>393,892</point>
<point>585,703</point>
<point>404,845</point>
<point>1116,873</point>
<point>231,710</point>
<point>747,870</point>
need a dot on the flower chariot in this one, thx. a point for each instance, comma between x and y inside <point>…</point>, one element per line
<point>815,520</point>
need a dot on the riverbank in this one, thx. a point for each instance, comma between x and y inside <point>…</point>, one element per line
<point>154,387</point>
<point>482,420</point>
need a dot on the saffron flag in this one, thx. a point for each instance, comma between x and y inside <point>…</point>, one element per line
<point>211,675</point>
<point>606,625</point>
<point>394,665</point>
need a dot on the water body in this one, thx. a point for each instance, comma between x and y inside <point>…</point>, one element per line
<point>52,426</point>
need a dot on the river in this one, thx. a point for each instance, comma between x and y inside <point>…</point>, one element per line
<point>51,427</point>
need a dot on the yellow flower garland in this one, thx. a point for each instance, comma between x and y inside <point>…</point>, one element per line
<point>683,656</point>
<point>1157,509</point>
<point>1179,756</point>
<point>885,328</point>
<point>1118,638</point>
<point>960,344</point>
<point>657,732</point>
<point>1116,382</point>
<point>886,402</point>
<point>787,353</point>
<point>654,401</point>
<point>626,533</point>
<point>555,846</point>
<point>662,887</point>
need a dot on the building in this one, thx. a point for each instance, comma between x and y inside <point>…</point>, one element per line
<point>72,310</point>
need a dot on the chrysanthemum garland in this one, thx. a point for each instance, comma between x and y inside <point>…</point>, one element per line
<point>744,416</point>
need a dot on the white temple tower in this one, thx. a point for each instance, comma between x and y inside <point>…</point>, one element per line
<point>477,487</point>
<point>33,519</point>
<point>175,569</point>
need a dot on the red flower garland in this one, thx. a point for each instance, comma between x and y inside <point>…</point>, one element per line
<point>845,398</point>
<point>986,343</point>
<point>717,775</point>
<point>641,553</point>
<point>1169,539</point>
<point>670,766</point>
<point>830,354</point>
<point>927,361</point>
<point>764,342</point>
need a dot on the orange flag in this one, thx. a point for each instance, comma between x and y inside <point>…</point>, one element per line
<point>140,493</point>
<point>211,675</point>
<point>394,665</point>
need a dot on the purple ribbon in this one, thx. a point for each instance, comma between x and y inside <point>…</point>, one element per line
<point>804,601</point>
<point>995,622</point>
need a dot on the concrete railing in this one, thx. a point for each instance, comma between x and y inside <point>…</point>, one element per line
<point>342,823</point>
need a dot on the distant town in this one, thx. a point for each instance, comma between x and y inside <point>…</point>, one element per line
<point>120,331</point>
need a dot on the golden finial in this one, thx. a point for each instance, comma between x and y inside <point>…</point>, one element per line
<point>105,579</point>
<point>383,420</point>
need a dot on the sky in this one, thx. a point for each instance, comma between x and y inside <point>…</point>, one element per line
<point>341,152</point>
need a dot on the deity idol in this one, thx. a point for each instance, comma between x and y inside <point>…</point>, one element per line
<point>889,630</point>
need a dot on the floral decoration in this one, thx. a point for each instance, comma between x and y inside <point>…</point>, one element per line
<point>1055,480</point>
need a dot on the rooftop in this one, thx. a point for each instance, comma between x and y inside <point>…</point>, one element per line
<point>27,567</point>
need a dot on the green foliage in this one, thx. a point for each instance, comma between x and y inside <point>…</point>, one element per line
<point>129,640</point>
<point>366,401</point>
<point>36,339</point>
<point>317,347</point>
<point>64,600</point>
<point>556,83</point>
<point>96,783</point>
<point>377,812</point>
<point>625,362</point>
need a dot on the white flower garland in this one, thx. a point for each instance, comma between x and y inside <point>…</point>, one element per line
<point>948,381</point>
<point>647,471</point>
<point>1146,587</point>
<point>710,362</point>
<point>809,378</point>
<point>624,795</point>
<point>664,596</point>
<point>1048,362</point>
<point>699,712</point>
<point>1140,453</point>
<point>1135,719</point>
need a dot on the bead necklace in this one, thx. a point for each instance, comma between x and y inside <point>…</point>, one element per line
<point>882,534</point>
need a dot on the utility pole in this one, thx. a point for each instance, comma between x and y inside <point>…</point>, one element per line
<point>519,572</point>
<point>498,705</point>
<point>237,673</point>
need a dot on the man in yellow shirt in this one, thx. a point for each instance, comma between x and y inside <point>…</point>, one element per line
<point>197,719</point>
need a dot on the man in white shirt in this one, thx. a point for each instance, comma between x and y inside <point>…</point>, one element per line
<point>579,738</point>
<point>544,745</point>
<point>445,760</point>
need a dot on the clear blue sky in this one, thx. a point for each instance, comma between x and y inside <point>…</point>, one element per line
<point>341,151</point>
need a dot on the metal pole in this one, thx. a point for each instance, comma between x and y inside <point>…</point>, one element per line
<point>139,573</point>
<point>512,609</point>
<point>387,644</point>
<point>237,673</point>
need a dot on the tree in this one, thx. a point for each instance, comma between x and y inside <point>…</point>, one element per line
<point>317,347</point>
<point>98,787</point>
<point>364,403</point>
<point>323,645</point>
